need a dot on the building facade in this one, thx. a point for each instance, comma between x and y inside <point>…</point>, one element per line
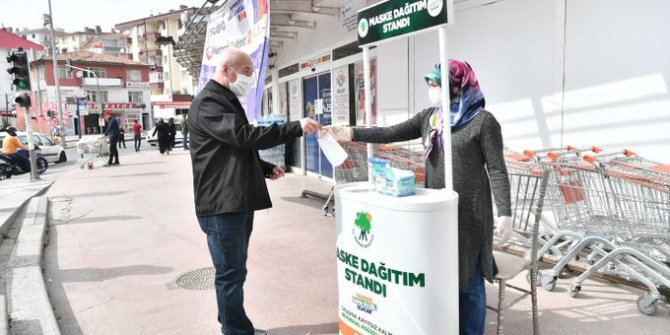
<point>151,40</point>
<point>120,86</point>
<point>92,40</point>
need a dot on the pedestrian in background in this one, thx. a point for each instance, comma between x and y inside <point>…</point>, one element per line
<point>122,137</point>
<point>173,132</point>
<point>184,133</point>
<point>113,133</point>
<point>229,178</point>
<point>479,171</point>
<point>163,136</point>
<point>137,135</point>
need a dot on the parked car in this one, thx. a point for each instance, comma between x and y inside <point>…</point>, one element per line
<point>54,153</point>
<point>153,139</point>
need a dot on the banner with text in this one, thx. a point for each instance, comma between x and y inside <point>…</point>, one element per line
<point>241,24</point>
<point>395,18</point>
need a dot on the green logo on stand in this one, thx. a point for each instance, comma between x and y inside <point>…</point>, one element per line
<point>363,27</point>
<point>362,229</point>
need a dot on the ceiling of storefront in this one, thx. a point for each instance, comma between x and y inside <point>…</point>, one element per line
<point>289,18</point>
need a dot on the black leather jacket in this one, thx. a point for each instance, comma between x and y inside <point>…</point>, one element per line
<point>228,174</point>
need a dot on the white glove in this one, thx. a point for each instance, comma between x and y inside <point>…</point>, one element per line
<point>340,133</point>
<point>504,229</point>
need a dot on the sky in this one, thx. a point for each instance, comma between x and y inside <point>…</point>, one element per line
<point>74,15</point>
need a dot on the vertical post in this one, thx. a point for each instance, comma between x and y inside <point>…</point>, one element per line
<point>451,260</point>
<point>54,60</point>
<point>368,99</point>
<point>6,110</point>
<point>446,115</point>
<point>76,99</point>
<point>31,144</point>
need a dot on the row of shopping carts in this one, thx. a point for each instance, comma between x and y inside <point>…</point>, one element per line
<point>607,211</point>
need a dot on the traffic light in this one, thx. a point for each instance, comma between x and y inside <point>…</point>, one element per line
<point>68,67</point>
<point>23,100</point>
<point>19,69</point>
<point>49,113</point>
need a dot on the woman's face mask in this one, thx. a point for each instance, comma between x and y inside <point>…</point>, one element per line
<point>435,95</point>
<point>242,85</point>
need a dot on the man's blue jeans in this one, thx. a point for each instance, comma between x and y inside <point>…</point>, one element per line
<point>228,240</point>
<point>472,304</point>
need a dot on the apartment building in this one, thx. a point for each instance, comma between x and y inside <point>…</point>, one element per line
<point>151,40</point>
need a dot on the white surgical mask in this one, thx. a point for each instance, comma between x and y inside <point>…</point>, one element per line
<point>242,85</point>
<point>435,95</point>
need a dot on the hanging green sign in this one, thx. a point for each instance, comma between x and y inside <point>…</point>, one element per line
<point>393,18</point>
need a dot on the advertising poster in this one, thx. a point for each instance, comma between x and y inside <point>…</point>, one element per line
<point>242,24</point>
<point>341,96</point>
<point>360,92</point>
<point>294,100</point>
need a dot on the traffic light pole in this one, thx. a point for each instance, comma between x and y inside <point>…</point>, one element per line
<point>54,59</point>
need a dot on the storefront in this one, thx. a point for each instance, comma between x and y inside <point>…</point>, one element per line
<point>126,112</point>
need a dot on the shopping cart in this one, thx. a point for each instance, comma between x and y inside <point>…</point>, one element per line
<point>616,219</point>
<point>92,149</point>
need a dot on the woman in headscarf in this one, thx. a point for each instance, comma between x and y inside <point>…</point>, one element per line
<point>478,167</point>
<point>164,140</point>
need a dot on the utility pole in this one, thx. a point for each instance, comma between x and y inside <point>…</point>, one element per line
<point>6,110</point>
<point>54,59</point>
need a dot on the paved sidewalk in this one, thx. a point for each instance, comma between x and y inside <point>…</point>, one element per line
<point>120,238</point>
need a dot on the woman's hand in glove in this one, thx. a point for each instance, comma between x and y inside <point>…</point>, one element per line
<point>504,229</point>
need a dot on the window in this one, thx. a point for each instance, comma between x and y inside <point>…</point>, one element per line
<point>63,73</point>
<point>135,96</point>
<point>134,75</point>
<point>184,75</point>
<point>41,74</point>
<point>92,96</point>
<point>165,59</point>
<point>100,72</point>
<point>45,141</point>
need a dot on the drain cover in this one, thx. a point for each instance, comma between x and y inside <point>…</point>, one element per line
<point>201,279</point>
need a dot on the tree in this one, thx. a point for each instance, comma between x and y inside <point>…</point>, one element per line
<point>363,223</point>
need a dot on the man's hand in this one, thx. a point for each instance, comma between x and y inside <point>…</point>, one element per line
<point>277,173</point>
<point>504,229</point>
<point>339,133</point>
<point>309,126</point>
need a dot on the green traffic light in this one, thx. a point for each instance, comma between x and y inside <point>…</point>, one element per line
<point>22,85</point>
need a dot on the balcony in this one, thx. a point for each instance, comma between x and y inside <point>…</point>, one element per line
<point>103,82</point>
<point>157,77</point>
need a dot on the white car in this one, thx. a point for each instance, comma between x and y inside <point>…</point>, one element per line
<point>54,153</point>
<point>153,139</point>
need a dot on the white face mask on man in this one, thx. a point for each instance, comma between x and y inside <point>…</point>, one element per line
<point>435,95</point>
<point>242,85</point>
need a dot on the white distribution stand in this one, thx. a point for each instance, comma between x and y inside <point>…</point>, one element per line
<point>398,257</point>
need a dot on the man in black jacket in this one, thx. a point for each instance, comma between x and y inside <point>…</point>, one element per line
<point>228,178</point>
<point>113,131</point>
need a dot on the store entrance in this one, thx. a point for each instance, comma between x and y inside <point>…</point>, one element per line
<point>317,102</point>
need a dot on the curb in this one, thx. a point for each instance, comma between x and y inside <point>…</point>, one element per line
<point>28,302</point>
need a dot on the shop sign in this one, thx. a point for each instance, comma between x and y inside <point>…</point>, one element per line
<point>392,18</point>
<point>348,13</point>
<point>306,65</point>
<point>122,105</point>
<point>137,86</point>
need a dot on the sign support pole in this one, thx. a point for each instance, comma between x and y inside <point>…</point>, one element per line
<point>368,100</point>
